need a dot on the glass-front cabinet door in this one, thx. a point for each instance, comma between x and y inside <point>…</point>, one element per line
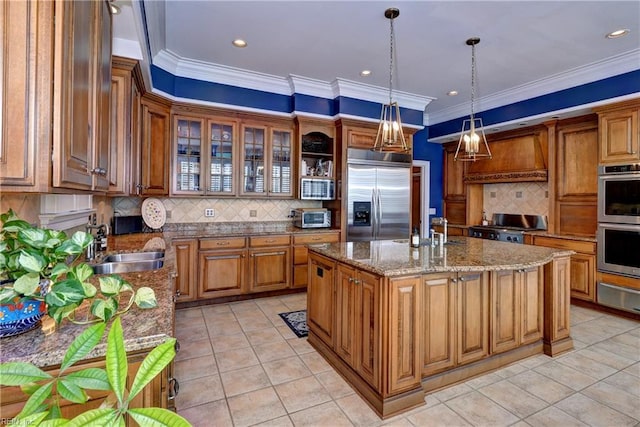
<point>221,167</point>
<point>253,165</point>
<point>188,156</point>
<point>281,163</point>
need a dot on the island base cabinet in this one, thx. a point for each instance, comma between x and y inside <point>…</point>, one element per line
<point>321,298</point>
<point>557,298</point>
<point>472,317</point>
<point>438,323</point>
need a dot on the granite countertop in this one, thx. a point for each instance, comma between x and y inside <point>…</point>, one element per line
<point>562,236</point>
<point>397,258</point>
<point>237,229</point>
<point>143,329</point>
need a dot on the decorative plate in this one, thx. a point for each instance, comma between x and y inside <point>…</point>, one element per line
<point>153,213</point>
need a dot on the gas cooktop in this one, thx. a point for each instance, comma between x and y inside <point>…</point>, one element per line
<point>509,227</point>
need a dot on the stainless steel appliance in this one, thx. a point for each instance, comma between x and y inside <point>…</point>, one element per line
<point>126,224</point>
<point>312,218</point>
<point>378,195</point>
<point>509,227</point>
<point>619,194</point>
<point>317,189</point>
<point>619,249</point>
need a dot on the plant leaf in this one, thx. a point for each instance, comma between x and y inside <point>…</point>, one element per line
<point>94,417</point>
<point>117,365</point>
<point>90,378</point>
<point>56,422</point>
<point>82,345</point>
<point>21,373</point>
<point>66,292</point>
<point>157,417</point>
<point>36,400</point>
<point>90,291</point>
<point>35,237</point>
<point>70,391</point>
<point>146,298</point>
<point>81,272</point>
<point>104,308</point>
<point>27,284</point>
<point>110,285</point>
<point>59,313</point>
<point>31,262</point>
<point>59,269</point>
<point>14,225</point>
<point>7,295</point>
<point>68,248</point>
<point>152,365</point>
<point>82,239</point>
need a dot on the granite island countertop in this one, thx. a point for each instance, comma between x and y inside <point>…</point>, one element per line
<point>397,258</point>
<point>143,329</point>
<point>237,229</point>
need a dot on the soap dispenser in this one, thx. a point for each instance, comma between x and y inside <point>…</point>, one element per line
<point>415,238</point>
<point>485,221</point>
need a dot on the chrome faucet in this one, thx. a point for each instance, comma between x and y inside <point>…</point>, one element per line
<point>441,221</point>
<point>99,241</point>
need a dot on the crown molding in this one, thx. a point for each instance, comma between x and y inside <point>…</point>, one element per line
<point>289,85</point>
<point>613,66</point>
<point>127,48</point>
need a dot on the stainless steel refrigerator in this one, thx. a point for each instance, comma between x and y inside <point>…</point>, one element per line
<point>378,195</point>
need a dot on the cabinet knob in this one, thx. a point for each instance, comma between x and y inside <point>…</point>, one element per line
<point>178,293</point>
<point>454,280</point>
<point>462,279</point>
<point>174,388</point>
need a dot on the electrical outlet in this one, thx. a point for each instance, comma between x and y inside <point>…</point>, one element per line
<point>518,194</point>
<point>253,213</point>
<point>168,214</point>
<point>209,212</point>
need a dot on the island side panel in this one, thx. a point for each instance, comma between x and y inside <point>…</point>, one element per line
<point>557,300</point>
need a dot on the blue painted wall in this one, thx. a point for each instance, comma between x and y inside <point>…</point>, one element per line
<point>425,150</point>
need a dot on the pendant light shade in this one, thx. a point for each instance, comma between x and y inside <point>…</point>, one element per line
<point>473,142</point>
<point>390,135</point>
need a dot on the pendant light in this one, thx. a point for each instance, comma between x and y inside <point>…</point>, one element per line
<point>472,134</point>
<point>390,135</point>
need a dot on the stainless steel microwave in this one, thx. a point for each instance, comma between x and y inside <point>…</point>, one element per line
<point>312,218</point>
<point>317,189</point>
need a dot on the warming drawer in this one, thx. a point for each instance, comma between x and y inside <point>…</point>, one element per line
<point>618,297</point>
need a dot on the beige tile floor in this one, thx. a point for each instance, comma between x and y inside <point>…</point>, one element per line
<point>240,365</point>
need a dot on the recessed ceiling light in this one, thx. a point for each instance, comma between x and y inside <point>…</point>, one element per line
<point>365,73</point>
<point>239,43</point>
<point>452,93</point>
<point>618,33</point>
<point>115,9</point>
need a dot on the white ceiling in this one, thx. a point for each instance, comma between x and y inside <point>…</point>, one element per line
<point>527,48</point>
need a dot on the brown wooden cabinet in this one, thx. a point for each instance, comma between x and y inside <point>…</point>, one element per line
<point>439,322</point>
<point>221,267</point>
<point>300,253</point>
<point>321,298</point>
<point>573,176</point>
<point>155,394</point>
<point>155,146</point>
<point>472,317</point>
<point>619,139</point>
<point>186,267</point>
<point>515,308</point>
<point>269,263</point>
<point>583,264</point>
<point>454,189</point>
<point>124,156</point>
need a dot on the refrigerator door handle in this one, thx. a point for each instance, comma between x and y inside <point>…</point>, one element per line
<point>378,212</point>
<point>374,215</point>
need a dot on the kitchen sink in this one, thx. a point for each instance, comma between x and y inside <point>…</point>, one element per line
<point>134,256</point>
<point>129,262</point>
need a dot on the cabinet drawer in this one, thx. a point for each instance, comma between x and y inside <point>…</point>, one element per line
<point>222,243</point>
<point>312,238</point>
<point>574,245</point>
<point>276,240</point>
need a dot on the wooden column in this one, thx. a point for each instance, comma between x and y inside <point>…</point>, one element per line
<point>557,301</point>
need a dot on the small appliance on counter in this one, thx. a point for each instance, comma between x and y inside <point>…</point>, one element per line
<point>312,218</point>
<point>126,224</point>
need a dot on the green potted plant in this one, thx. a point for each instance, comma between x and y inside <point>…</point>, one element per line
<point>42,272</point>
<point>45,390</point>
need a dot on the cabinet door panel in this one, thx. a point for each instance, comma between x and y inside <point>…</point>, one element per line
<point>320,291</point>
<point>155,150</point>
<point>404,323</point>
<point>270,269</point>
<point>582,276</point>
<point>346,313</point>
<point>102,97</point>
<point>186,258</point>
<point>438,330</point>
<point>369,329</point>
<point>221,273</point>
<point>505,311</point>
<point>619,140</point>
<point>532,286</point>
<point>473,318</point>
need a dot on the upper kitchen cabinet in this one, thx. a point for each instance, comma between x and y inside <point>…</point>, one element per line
<point>619,139</point>
<point>155,146</point>
<point>68,117</point>
<point>81,94</point>
<point>455,191</point>
<point>266,165</point>
<point>573,176</point>
<point>124,156</point>
<point>363,135</point>
<point>204,156</point>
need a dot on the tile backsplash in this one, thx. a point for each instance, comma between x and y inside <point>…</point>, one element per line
<point>530,198</point>
<point>188,210</point>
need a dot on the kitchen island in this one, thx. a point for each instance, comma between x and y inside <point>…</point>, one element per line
<point>398,322</point>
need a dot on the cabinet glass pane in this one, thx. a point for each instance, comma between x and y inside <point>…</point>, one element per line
<point>281,162</point>
<point>221,167</point>
<point>253,166</point>
<point>188,156</point>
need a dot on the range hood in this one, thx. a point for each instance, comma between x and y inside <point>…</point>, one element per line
<point>516,158</point>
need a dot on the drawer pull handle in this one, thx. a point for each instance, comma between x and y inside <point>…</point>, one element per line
<point>270,240</point>
<point>174,388</point>
<point>316,238</point>
<point>225,243</point>
<point>268,253</point>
